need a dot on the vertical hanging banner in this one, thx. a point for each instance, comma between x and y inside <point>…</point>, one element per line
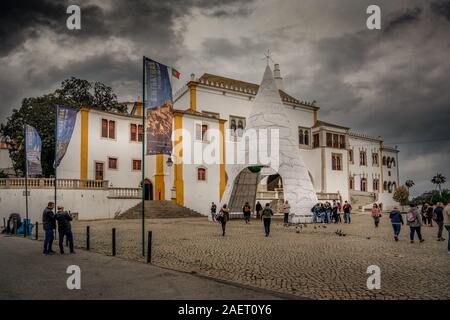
<point>65,123</point>
<point>158,107</point>
<point>33,147</point>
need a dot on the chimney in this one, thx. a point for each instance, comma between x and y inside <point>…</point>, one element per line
<point>277,77</point>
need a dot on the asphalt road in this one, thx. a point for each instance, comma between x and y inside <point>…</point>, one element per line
<point>25,273</point>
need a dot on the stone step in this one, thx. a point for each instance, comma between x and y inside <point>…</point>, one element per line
<point>159,209</point>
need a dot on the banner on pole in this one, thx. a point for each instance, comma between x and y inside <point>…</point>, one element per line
<point>158,108</point>
<point>65,123</point>
<point>33,151</point>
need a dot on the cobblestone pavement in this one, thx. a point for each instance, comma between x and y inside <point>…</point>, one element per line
<point>308,262</point>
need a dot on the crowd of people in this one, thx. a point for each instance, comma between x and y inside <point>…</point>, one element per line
<point>417,218</point>
<point>332,212</point>
<point>336,213</point>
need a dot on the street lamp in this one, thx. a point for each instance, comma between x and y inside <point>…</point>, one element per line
<point>169,162</point>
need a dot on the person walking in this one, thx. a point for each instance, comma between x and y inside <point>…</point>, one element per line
<point>438,217</point>
<point>247,212</point>
<point>347,211</point>
<point>376,214</point>
<point>258,209</point>
<point>447,224</point>
<point>213,211</point>
<point>415,222</point>
<point>267,214</point>
<point>286,212</point>
<point>397,222</point>
<point>315,212</point>
<point>49,223</point>
<point>430,210</point>
<point>222,217</point>
<point>64,229</point>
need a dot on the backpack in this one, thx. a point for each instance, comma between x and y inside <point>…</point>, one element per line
<point>412,216</point>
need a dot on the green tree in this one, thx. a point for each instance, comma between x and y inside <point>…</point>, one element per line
<point>39,112</point>
<point>401,195</point>
<point>439,180</point>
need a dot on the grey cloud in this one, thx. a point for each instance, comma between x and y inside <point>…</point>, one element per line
<point>441,8</point>
<point>404,18</point>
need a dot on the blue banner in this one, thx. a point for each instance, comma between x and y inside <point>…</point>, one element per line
<point>33,148</point>
<point>158,108</point>
<point>65,123</point>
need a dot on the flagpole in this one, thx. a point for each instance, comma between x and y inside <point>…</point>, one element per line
<point>25,230</point>
<point>56,152</point>
<point>143,157</point>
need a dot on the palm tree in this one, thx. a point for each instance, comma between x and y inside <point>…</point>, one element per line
<point>409,184</point>
<point>439,180</point>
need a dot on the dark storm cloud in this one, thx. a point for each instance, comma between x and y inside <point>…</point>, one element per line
<point>408,17</point>
<point>441,8</point>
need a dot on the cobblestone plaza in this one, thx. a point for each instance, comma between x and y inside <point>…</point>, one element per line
<point>308,262</point>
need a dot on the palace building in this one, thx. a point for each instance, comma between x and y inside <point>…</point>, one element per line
<point>341,164</point>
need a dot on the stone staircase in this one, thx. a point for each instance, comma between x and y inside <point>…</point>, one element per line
<point>156,209</point>
<point>359,200</point>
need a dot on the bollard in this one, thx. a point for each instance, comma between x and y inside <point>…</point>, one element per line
<point>113,241</point>
<point>37,230</point>
<point>25,228</point>
<point>88,238</point>
<point>149,247</point>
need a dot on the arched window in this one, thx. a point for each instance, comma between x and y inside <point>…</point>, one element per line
<point>363,184</point>
<point>384,160</point>
<point>201,174</point>
<point>376,184</point>
<point>385,185</point>
<point>389,162</point>
<point>351,182</point>
<point>307,137</point>
<point>300,136</point>
<point>362,158</point>
<point>393,162</point>
<point>390,187</point>
<point>394,186</point>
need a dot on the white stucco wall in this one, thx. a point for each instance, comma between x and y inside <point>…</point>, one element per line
<point>90,204</point>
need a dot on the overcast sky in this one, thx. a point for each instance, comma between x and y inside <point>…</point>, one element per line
<point>393,82</point>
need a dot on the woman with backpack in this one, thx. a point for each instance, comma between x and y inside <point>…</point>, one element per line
<point>222,217</point>
<point>376,214</point>
<point>415,222</point>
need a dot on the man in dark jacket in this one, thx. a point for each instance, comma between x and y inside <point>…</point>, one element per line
<point>439,218</point>
<point>258,209</point>
<point>49,223</point>
<point>64,229</point>
<point>396,221</point>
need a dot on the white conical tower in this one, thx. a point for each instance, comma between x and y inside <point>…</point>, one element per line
<point>268,112</point>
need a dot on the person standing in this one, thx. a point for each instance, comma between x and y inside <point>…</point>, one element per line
<point>247,212</point>
<point>49,223</point>
<point>423,212</point>
<point>335,212</point>
<point>415,222</point>
<point>396,221</point>
<point>347,211</point>
<point>438,216</point>
<point>430,210</point>
<point>447,224</point>
<point>258,209</point>
<point>286,212</point>
<point>339,211</point>
<point>223,217</point>
<point>376,214</point>
<point>64,229</point>
<point>213,211</point>
<point>267,214</point>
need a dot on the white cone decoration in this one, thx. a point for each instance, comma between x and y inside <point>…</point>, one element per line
<point>268,112</point>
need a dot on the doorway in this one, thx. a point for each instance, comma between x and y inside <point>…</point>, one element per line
<point>148,189</point>
<point>99,171</point>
